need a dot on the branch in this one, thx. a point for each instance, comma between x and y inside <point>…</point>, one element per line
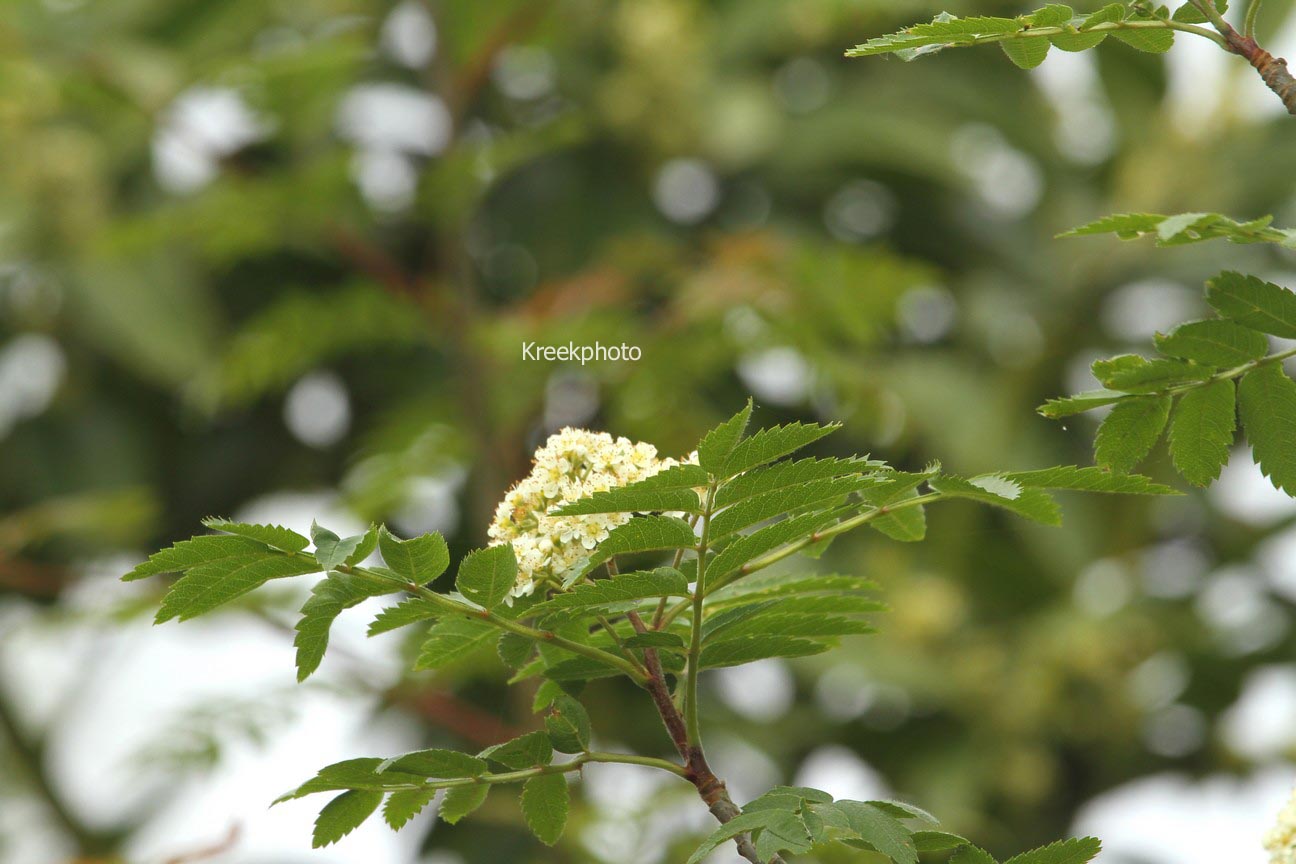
<point>1272,70</point>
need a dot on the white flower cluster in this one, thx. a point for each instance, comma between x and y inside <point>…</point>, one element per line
<point>573,464</point>
<point>1280,841</point>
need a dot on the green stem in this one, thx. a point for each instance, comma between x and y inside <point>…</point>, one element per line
<point>564,768</point>
<point>464,610</point>
<point>1252,12</point>
<point>695,635</point>
<point>1235,372</point>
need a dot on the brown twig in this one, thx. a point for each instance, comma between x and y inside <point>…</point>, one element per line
<point>1273,70</point>
<point>709,786</point>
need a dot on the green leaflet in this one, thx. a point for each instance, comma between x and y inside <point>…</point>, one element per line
<point>568,725</point>
<point>544,806</point>
<point>1079,403</point>
<point>1026,53</point>
<point>352,774</point>
<point>332,551</point>
<point>716,445</point>
<point>1089,479</point>
<point>208,585</point>
<point>409,611</point>
<point>452,639</point>
<point>1201,432</point>
<point>1077,41</point>
<point>1188,13</point>
<point>748,649</point>
<point>343,815</point>
<point>741,824</point>
<point>1075,851</point>
<point>1186,228</point>
<point>816,494</point>
<point>1131,373</point>
<point>209,549</point>
<point>671,490</point>
<point>643,534</point>
<point>636,585</point>
<point>910,524</point>
<point>785,474</point>
<point>766,445</point>
<point>274,536</point>
<point>971,855</point>
<point>525,751</point>
<point>332,594</point>
<point>1129,432</point>
<point>1215,342</point>
<point>999,491</point>
<point>778,623</point>
<point>1151,41</point>
<point>1267,400</point>
<point>880,830</point>
<point>486,576</point>
<point>462,800</point>
<point>418,560</point>
<point>405,804</point>
<point>1254,303</point>
<point>513,650</point>
<point>434,763</point>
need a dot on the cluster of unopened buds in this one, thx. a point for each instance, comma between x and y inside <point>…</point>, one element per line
<point>572,464</point>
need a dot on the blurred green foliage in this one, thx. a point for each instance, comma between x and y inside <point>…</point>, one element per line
<point>203,212</point>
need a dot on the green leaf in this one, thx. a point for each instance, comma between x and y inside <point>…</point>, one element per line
<point>352,774</point>
<point>274,536</point>
<point>1112,12</point>
<point>743,823</point>
<point>1156,41</point>
<point>879,830</point>
<point>624,587</point>
<point>910,524</point>
<point>747,649</point>
<point>568,725</point>
<point>1201,431</point>
<point>1184,228</point>
<point>783,832</point>
<point>670,490</point>
<point>778,623</point>
<point>332,551</point>
<point>1254,303</point>
<point>716,446</point>
<point>1052,15</point>
<point>343,815</point>
<point>943,31</point>
<point>786,474</point>
<point>418,560</point>
<point>971,855</point>
<point>936,841</point>
<point>513,649</point>
<point>1129,432</point>
<point>776,442</point>
<point>1075,851</point>
<point>435,763</point>
<point>644,534</point>
<point>999,491</point>
<point>462,800</point>
<point>452,639</point>
<point>412,610</point>
<point>486,576</point>
<point>1267,399</point>
<point>525,751</point>
<point>1079,403</point>
<point>816,494</point>
<point>1188,13</point>
<point>1134,374</point>
<point>1077,41</point>
<point>544,805</point>
<point>403,805</point>
<point>1089,479</point>
<point>1026,53</point>
<point>208,549</point>
<point>332,594</point>
<point>206,586</point>
<point>1215,342</point>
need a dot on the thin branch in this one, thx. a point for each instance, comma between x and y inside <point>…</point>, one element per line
<point>1252,13</point>
<point>695,634</point>
<point>1272,70</point>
